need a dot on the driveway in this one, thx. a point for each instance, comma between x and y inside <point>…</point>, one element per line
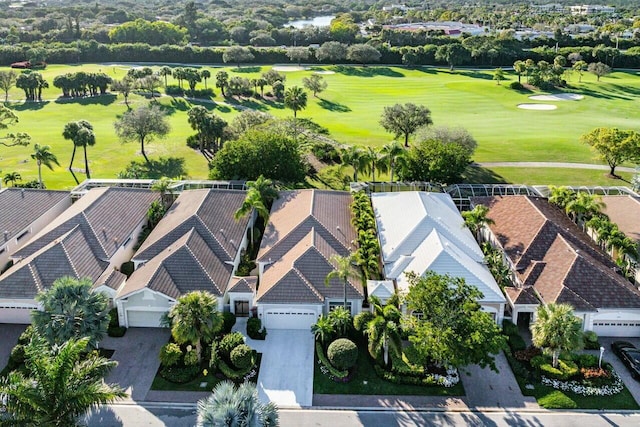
<point>485,388</point>
<point>9,335</point>
<point>286,370</point>
<point>137,357</point>
<point>632,384</point>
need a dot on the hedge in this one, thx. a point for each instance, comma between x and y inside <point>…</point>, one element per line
<point>255,331</point>
<point>404,379</point>
<point>239,374</point>
<point>325,362</point>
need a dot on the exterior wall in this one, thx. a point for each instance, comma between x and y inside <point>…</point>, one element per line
<point>125,251</point>
<point>17,310</point>
<point>239,296</point>
<point>522,308</point>
<point>621,315</point>
<point>356,305</point>
<point>145,300</point>
<point>262,308</point>
<point>13,244</point>
<point>495,308</point>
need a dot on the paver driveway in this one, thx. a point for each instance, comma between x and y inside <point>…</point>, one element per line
<point>632,384</point>
<point>286,370</point>
<point>9,335</point>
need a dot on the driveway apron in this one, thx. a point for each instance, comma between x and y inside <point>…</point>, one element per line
<point>286,371</point>
<point>9,335</point>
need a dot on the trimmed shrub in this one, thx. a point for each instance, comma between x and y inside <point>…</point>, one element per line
<point>180,374</point>
<point>516,342</point>
<point>586,361</point>
<point>228,343</point>
<point>557,400</point>
<point>16,358</point>
<point>590,339</point>
<point>239,374</point>
<point>336,373</point>
<point>214,359</point>
<point>516,86</point>
<point>565,370</point>
<point>174,90</point>
<point>191,357</point>
<point>228,320</point>
<point>509,328</point>
<point>343,353</point>
<point>255,331</point>
<point>241,356</point>
<point>361,319</point>
<point>170,354</point>
<point>114,329</point>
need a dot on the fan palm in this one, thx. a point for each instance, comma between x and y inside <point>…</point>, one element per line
<point>343,270</point>
<point>61,385</point>
<point>295,99</point>
<point>43,156</point>
<point>195,318</point>
<point>556,329</point>
<point>323,330</point>
<point>231,406</point>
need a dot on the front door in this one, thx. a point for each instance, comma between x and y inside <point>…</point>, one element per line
<point>242,308</point>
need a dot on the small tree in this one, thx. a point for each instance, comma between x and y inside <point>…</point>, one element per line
<point>498,75</point>
<point>295,98</point>
<point>12,177</point>
<point>142,125</point>
<point>614,146</point>
<point>477,218</point>
<point>7,81</point>
<point>453,54</point>
<point>125,87</point>
<point>520,68</point>
<point>363,54</point>
<point>343,270</point>
<point>579,67</point>
<point>298,54</point>
<point>315,84</point>
<point>599,69</point>
<point>556,329</point>
<point>237,54</point>
<point>222,81</point>
<point>404,120</point>
<point>9,118</point>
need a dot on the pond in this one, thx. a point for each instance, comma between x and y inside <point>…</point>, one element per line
<point>318,21</point>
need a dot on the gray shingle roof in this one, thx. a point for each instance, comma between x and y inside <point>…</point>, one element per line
<point>21,207</point>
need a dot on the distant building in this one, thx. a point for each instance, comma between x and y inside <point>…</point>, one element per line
<point>547,8</point>
<point>591,9</point>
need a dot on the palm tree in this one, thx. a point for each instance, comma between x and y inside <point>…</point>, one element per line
<point>195,318</point>
<point>252,203</point>
<point>374,161</point>
<point>43,156</point>
<point>165,72</point>
<point>355,157</point>
<point>584,206</point>
<point>341,320</point>
<point>265,187</point>
<point>477,218</point>
<point>12,177</point>
<point>81,134</point>
<point>602,227</point>
<point>323,330</point>
<point>230,406</point>
<point>556,329</point>
<point>163,186</point>
<point>390,154</point>
<point>295,98</point>
<point>561,196</point>
<point>343,270</point>
<point>383,330</point>
<point>62,383</point>
<point>206,74</point>
<point>70,309</point>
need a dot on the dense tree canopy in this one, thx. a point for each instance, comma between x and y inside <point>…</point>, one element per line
<point>142,125</point>
<point>404,120</point>
<point>614,146</point>
<point>255,153</point>
<point>434,161</point>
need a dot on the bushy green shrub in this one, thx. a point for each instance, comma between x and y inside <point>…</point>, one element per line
<point>343,353</point>
<point>401,364</point>
<point>337,373</point>
<point>114,329</point>
<point>228,343</point>
<point>509,328</point>
<point>557,400</point>
<point>516,342</point>
<point>361,319</point>
<point>590,339</point>
<point>16,358</point>
<point>238,374</point>
<point>255,331</point>
<point>228,320</point>
<point>404,379</point>
<point>516,86</point>
<point>565,370</point>
<point>191,357</point>
<point>241,356</point>
<point>174,90</point>
<point>214,358</point>
<point>586,360</point>
<point>180,374</point>
<point>325,152</point>
<point>170,354</point>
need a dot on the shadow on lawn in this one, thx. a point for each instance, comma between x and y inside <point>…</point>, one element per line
<point>30,105</point>
<point>333,106</point>
<point>475,174</point>
<point>358,71</point>
<point>172,167</point>
<point>106,99</point>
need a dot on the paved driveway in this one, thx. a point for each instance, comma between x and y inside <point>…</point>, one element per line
<point>137,357</point>
<point>9,335</point>
<point>286,370</point>
<point>632,384</point>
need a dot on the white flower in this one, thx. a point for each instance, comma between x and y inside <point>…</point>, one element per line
<point>578,388</point>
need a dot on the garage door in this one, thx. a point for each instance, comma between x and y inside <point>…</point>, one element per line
<point>18,315</point>
<point>289,318</point>
<point>144,319</point>
<point>617,328</point>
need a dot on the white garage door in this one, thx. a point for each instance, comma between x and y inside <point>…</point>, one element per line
<point>144,319</point>
<point>289,318</point>
<point>617,328</point>
<point>18,315</point>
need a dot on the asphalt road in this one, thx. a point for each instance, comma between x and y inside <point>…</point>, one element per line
<point>183,416</point>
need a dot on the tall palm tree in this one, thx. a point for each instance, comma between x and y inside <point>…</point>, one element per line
<point>12,177</point>
<point>295,98</point>
<point>206,74</point>
<point>477,218</point>
<point>383,330</point>
<point>583,207</point>
<point>195,318</point>
<point>556,329</point>
<point>252,203</point>
<point>61,385</point>
<point>165,72</point>
<point>70,309</point>
<point>354,156</point>
<point>390,154</point>
<point>43,156</point>
<point>236,406</point>
<point>81,134</point>
<point>163,186</point>
<point>375,162</point>
<point>343,270</point>
<point>265,187</point>
<point>561,196</point>
<point>602,227</point>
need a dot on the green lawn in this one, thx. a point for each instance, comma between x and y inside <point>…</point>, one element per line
<point>367,382</point>
<point>350,108</point>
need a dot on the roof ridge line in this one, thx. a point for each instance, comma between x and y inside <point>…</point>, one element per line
<point>305,281</point>
<point>210,233</point>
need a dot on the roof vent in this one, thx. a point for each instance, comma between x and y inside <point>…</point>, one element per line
<point>22,193</point>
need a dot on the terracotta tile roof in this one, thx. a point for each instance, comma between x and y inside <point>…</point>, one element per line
<point>298,276</point>
<point>552,254</point>
<point>294,213</point>
<point>21,207</point>
<point>625,212</point>
<point>246,284</point>
<point>193,247</point>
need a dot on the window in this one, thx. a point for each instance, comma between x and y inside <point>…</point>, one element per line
<point>417,314</point>
<point>335,304</point>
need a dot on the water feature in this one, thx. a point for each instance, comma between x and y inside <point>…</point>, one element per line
<point>318,21</point>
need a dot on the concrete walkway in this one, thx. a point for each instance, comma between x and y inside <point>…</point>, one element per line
<point>560,165</point>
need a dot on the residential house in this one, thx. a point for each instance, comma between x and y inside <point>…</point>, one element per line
<point>196,247</point>
<point>420,232</point>
<point>91,239</point>
<point>24,213</point>
<point>306,229</point>
<point>554,261</point>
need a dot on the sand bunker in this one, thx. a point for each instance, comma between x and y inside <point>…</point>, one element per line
<point>557,97</point>
<point>287,68</point>
<point>537,106</point>
<point>324,72</point>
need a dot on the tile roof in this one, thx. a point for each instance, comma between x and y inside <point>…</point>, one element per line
<point>625,212</point>
<point>79,242</point>
<point>422,232</point>
<point>524,295</point>
<point>21,207</point>
<point>246,284</point>
<point>193,247</point>
<point>552,254</point>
